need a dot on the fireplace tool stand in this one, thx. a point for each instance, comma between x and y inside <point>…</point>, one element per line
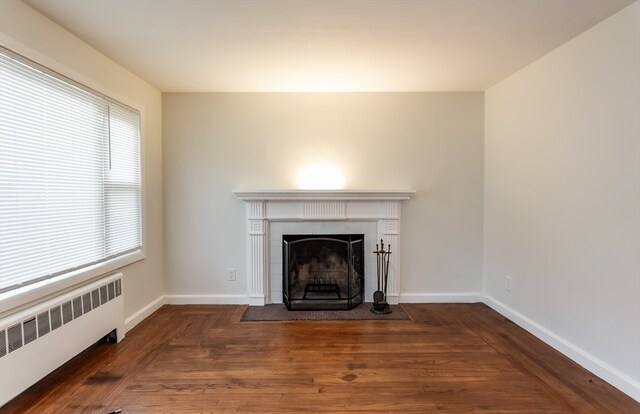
<point>380,304</point>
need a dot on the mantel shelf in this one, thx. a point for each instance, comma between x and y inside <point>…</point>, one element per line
<point>324,195</point>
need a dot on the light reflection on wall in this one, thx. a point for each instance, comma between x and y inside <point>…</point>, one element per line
<point>320,176</point>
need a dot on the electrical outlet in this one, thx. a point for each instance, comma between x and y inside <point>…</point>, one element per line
<point>507,283</point>
<point>231,274</point>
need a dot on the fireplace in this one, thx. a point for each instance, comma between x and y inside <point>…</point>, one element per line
<point>322,271</point>
<point>273,213</point>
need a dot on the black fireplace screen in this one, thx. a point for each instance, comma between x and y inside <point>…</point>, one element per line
<point>323,271</point>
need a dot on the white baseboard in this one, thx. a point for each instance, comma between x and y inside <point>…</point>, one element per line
<point>440,297</point>
<point>206,299</point>
<point>603,370</point>
<point>142,314</point>
<point>257,300</point>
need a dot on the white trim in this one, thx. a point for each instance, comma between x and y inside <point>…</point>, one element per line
<point>257,301</point>
<point>600,368</point>
<point>205,299</point>
<point>143,313</point>
<point>440,297</point>
<point>323,195</point>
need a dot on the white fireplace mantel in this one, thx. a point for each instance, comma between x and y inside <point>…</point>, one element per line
<point>323,195</point>
<point>265,206</point>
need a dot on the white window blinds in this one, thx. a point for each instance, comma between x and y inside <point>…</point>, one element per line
<point>69,176</point>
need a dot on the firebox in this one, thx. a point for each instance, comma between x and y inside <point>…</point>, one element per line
<point>322,272</point>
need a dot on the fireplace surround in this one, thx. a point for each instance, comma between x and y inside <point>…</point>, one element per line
<point>273,213</point>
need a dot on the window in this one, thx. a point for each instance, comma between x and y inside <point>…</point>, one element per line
<point>70,183</point>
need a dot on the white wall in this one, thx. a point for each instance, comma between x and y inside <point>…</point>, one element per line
<point>562,184</point>
<point>562,196</point>
<point>27,32</point>
<point>430,142</point>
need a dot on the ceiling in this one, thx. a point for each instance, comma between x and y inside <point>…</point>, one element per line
<point>325,45</point>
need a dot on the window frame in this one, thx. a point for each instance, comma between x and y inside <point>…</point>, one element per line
<point>12,300</point>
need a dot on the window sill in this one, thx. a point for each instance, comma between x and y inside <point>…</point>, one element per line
<point>17,299</point>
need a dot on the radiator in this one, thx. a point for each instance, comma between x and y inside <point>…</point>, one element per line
<point>37,340</point>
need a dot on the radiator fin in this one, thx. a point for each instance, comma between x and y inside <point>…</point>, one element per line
<point>111,287</point>
<point>103,294</point>
<point>118,287</point>
<point>43,324</point>
<point>86,302</point>
<point>77,307</point>
<point>3,343</point>
<point>30,331</point>
<point>95,298</point>
<point>56,318</point>
<point>67,313</point>
<point>15,337</point>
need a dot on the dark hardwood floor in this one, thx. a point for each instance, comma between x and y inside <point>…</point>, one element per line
<point>461,358</point>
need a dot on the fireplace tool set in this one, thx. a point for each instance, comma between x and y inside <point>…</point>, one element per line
<point>380,304</point>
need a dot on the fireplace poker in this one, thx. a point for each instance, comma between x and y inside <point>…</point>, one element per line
<point>386,272</point>
<point>378,295</point>
<point>378,264</point>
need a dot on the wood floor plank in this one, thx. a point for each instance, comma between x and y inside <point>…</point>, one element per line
<point>462,358</point>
